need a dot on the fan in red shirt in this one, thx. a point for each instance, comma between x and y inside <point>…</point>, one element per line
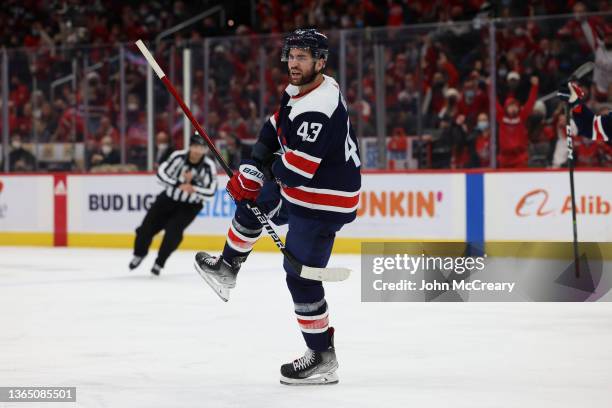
<point>513,138</point>
<point>481,142</point>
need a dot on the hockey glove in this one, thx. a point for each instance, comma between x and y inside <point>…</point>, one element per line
<point>266,166</point>
<point>571,93</point>
<point>246,183</point>
<point>264,158</point>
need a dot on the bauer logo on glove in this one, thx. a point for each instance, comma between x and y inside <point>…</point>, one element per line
<point>246,183</point>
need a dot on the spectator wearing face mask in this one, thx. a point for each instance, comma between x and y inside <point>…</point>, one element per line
<point>107,154</point>
<point>480,142</point>
<point>513,138</point>
<point>163,149</point>
<point>19,158</point>
<point>474,99</point>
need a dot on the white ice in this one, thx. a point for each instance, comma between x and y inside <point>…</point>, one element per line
<point>78,317</point>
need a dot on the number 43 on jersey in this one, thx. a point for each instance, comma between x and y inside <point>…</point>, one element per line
<point>309,131</point>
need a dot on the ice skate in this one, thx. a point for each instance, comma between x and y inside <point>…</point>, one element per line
<point>218,273</point>
<point>136,260</point>
<point>314,368</point>
<point>156,269</point>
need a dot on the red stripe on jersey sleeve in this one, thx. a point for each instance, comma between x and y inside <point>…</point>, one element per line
<point>301,163</point>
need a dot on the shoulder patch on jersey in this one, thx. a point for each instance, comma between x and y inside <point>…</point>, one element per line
<point>323,99</point>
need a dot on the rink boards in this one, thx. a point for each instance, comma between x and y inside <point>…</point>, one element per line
<point>94,210</point>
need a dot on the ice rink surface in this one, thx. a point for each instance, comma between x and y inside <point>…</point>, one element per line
<point>78,317</point>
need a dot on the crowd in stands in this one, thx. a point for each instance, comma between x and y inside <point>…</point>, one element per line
<point>436,89</point>
<point>438,85</point>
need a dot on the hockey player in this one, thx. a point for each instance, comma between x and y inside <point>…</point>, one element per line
<point>596,127</point>
<point>312,183</point>
<point>190,178</point>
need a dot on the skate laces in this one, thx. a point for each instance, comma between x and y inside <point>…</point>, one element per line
<point>304,361</point>
<point>212,261</point>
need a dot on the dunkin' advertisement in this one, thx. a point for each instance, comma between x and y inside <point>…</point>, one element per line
<point>411,206</point>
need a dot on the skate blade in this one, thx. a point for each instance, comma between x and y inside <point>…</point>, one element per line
<point>318,379</point>
<point>219,290</point>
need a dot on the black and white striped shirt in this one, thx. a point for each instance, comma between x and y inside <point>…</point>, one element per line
<point>204,181</point>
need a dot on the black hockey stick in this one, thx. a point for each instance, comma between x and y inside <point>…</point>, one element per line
<point>580,72</point>
<point>570,165</point>
<point>308,272</point>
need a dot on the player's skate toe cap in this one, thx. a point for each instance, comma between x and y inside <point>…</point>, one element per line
<point>286,370</point>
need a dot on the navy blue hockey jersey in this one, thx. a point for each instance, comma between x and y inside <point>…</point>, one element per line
<point>319,169</point>
<point>596,127</point>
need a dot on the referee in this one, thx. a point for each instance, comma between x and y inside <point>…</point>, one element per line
<point>190,178</point>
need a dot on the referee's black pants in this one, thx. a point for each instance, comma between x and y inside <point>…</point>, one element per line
<point>169,215</point>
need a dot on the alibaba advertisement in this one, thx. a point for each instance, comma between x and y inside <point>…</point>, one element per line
<point>535,203</point>
<point>538,206</point>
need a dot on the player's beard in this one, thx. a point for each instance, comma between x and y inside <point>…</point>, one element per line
<point>305,79</point>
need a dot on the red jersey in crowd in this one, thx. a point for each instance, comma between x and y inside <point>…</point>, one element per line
<point>513,138</point>
<point>482,146</point>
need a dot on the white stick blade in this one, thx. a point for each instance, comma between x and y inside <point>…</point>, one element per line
<point>150,59</point>
<point>584,69</point>
<point>325,274</point>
